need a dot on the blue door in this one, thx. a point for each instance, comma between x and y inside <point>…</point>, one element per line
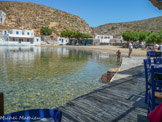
<point>19,41</point>
<point>5,32</point>
<point>62,41</point>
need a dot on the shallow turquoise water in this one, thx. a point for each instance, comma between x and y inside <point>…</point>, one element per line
<point>46,77</point>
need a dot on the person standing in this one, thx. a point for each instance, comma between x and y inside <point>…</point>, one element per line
<point>130,48</point>
<point>118,54</point>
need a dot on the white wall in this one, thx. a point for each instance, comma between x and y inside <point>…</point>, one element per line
<point>2,17</point>
<point>37,40</point>
<point>26,36</point>
<point>21,33</point>
<point>63,40</point>
<point>104,38</point>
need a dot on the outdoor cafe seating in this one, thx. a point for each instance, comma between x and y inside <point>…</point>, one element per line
<point>155,92</point>
<point>153,76</point>
<point>153,53</point>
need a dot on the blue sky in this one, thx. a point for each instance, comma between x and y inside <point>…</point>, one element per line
<point>99,12</point>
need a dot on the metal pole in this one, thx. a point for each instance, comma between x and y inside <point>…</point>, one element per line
<point>1,104</point>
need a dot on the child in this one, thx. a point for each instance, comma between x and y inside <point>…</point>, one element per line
<point>118,54</point>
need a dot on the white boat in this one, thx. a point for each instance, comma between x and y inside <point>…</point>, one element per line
<point>19,38</point>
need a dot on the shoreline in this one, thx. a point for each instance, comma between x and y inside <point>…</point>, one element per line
<point>108,48</point>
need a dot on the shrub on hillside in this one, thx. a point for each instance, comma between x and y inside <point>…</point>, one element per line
<point>46,31</point>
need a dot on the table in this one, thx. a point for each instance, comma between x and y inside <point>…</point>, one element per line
<point>158,67</point>
<point>157,54</point>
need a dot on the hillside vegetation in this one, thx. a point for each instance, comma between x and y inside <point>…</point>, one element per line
<point>116,29</point>
<point>24,15</point>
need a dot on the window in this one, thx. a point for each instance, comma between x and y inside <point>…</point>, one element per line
<point>22,33</point>
<point>10,32</point>
<point>31,42</point>
<point>13,39</point>
<point>17,32</point>
<point>19,41</point>
<point>5,32</point>
<point>32,34</point>
<point>22,40</point>
<point>28,33</point>
<point>37,40</point>
<point>27,40</point>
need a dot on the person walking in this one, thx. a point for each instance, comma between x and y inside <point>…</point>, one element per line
<point>130,48</point>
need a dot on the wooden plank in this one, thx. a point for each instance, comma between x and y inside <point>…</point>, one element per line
<point>120,100</point>
<point>1,104</point>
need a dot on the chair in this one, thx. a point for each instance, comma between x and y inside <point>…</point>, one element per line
<point>151,53</point>
<point>33,115</point>
<point>147,64</point>
<point>155,93</point>
<point>157,60</point>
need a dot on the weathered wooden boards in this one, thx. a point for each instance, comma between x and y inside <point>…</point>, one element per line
<point>120,100</point>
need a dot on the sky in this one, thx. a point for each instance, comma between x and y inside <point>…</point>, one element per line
<point>99,12</point>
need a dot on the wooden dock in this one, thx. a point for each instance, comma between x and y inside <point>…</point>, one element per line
<point>120,100</point>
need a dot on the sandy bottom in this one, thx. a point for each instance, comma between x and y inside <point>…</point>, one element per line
<point>110,49</point>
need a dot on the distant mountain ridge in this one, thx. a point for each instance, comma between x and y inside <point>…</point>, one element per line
<point>24,15</point>
<point>116,29</point>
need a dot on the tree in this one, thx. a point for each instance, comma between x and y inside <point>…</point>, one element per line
<point>46,31</point>
<point>134,36</point>
<point>74,34</point>
<point>126,35</point>
<point>159,40</point>
<point>143,36</point>
<point>130,36</point>
<point>152,38</point>
<point>67,34</point>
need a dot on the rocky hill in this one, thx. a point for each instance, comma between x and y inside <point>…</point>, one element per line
<point>116,29</point>
<point>23,15</point>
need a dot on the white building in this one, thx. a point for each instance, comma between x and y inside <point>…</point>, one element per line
<point>62,40</point>
<point>2,17</point>
<point>19,37</point>
<point>104,38</point>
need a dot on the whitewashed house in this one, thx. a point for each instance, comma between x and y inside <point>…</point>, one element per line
<point>62,41</point>
<point>2,17</point>
<point>19,37</point>
<point>104,38</point>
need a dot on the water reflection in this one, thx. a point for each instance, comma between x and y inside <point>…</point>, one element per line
<point>18,54</point>
<point>45,77</point>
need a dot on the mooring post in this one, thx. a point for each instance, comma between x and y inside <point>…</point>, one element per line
<point>1,104</point>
